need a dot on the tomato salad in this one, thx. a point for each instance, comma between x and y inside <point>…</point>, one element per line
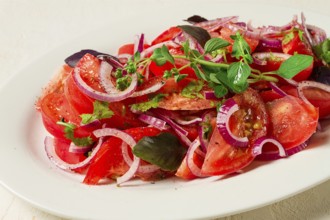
<point>203,99</point>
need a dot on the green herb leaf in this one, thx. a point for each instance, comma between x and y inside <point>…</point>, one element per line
<point>192,90</point>
<point>238,73</point>
<point>161,56</point>
<point>220,90</point>
<point>295,64</point>
<point>198,72</point>
<point>145,106</point>
<point>215,44</point>
<point>179,77</point>
<point>198,33</point>
<point>100,111</point>
<point>163,150</point>
<point>241,48</point>
<point>322,51</point>
<point>69,134</point>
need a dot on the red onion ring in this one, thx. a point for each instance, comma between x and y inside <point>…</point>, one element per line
<point>153,121</point>
<point>105,80</point>
<point>79,149</point>
<point>276,89</point>
<point>260,58</point>
<point>107,97</point>
<point>154,88</point>
<point>225,111</point>
<point>304,84</point>
<point>260,142</point>
<point>51,154</point>
<point>130,141</point>
<point>195,170</point>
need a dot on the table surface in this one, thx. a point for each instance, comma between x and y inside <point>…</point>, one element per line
<point>24,36</point>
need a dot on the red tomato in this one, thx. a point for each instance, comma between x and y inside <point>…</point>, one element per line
<point>184,171</point>
<point>159,70</point>
<point>250,120</point>
<point>166,35</point>
<point>54,107</point>
<point>126,49</point>
<point>225,34</point>
<point>296,45</point>
<point>289,115</point>
<point>62,150</point>
<point>109,161</point>
<point>274,64</point>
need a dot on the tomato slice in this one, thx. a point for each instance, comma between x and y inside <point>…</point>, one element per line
<point>166,35</point>
<point>296,45</point>
<point>250,120</point>
<point>184,171</point>
<point>109,161</point>
<point>289,115</point>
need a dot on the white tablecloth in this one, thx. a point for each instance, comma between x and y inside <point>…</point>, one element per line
<point>25,34</point>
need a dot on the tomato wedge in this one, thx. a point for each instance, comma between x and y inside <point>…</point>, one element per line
<point>250,120</point>
<point>289,115</point>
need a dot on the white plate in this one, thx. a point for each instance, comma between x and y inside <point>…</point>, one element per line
<point>26,171</point>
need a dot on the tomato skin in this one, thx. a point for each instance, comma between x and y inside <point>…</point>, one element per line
<point>166,35</point>
<point>289,115</point>
<point>225,34</point>
<point>221,157</point>
<point>109,161</point>
<point>126,49</point>
<point>296,45</point>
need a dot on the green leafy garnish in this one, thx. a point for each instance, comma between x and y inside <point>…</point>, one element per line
<point>241,48</point>
<point>69,134</point>
<point>192,90</point>
<point>163,150</point>
<point>322,51</point>
<point>100,111</point>
<point>238,73</point>
<point>161,55</point>
<point>295,64</point>
<point>215,44</point>
<point>145,106</point>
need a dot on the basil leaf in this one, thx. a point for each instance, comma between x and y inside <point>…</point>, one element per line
<point>195,19</point>
<point>220,90</point>
<point>200,34</point>
<point>215,44</point>
<point>295,64</point>
<point>163,150</point>
<point>238,73</point>
<point>322,50</point>
<point>241,48</point>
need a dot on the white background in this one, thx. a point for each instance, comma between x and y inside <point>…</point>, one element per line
<point>29,29</point>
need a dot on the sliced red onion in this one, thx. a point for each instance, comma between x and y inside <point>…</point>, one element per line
<point>107,97</point>
<point>79,149</point>
<point>154,88</point>
<point>192,120</point>
<point>294,150</point>
<point>190,159</point>
<point>147,168</point>
<point>318,35</point>
<point>213,25</point>
<point>130,141</point>
<point>139,43</point>
<point>113,61</point>
<point>51,154</point>
<point>210,95</point>
<point>105,77</point>
<point>271,43</point>
<point>261,58</point>
<point>260,142</point>
<point>91,125</point>
<point>225,111</point>
<point>151,49</point>
<point>165,115</point>
<point>206,121</point>
<point>153,121</point>
<point>304,84</point>
<point>277,89</point>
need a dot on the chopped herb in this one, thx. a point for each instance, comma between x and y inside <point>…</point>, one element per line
<point>145,106</point>
<point>192,90</point>
<point>100,111</point>
<point>69,134</point>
